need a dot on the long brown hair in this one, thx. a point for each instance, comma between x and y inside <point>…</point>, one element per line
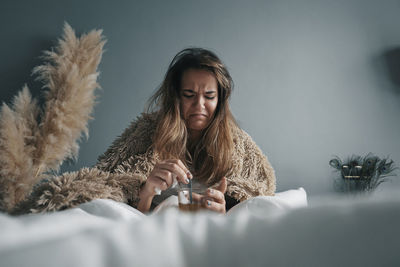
<point>211,157</point>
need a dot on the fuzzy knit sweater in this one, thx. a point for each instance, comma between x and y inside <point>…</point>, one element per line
<point>124,167</point>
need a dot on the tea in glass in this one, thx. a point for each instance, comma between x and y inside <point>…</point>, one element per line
<point>184,200</point>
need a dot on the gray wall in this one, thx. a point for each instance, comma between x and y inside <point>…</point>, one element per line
<point>313,78</point>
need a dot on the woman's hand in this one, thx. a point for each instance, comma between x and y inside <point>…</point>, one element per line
<point>214,199</point>
<point>162,176</point>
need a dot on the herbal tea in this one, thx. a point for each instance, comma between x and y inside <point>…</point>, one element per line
<point>186,203</point>
<point>189,207</point>
<point>189,196</point>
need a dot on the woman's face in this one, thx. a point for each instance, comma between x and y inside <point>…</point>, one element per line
<point>199,99</point>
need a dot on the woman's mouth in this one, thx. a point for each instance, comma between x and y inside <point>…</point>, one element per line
<point>198,114</point>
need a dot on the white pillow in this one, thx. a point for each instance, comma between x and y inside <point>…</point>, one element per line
<point>286,200</point>
<point>170,202</point>
<point>294,198</point>
<point>266,205</point>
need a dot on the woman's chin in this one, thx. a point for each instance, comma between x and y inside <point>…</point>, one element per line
<point>197,126</point>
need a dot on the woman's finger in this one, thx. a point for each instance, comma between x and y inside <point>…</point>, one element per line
<point>182,166</point>
<point>209,204</point>
<point>197,197</point>
<point>217,195</point>
<point>222,186</point>
<point>181,175</point>
<point>163,175</point>
<point>157,182</point>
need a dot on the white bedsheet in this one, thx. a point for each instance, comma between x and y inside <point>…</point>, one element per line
<point>273,231</point>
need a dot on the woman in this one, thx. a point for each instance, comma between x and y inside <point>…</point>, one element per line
<point>187,133</point>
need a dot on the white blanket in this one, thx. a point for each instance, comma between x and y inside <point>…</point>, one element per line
<point>273,231</point>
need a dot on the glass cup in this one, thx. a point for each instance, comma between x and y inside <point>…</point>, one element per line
<point>187,202</point>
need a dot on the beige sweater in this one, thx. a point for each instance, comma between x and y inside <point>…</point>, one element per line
<point>125,166</point>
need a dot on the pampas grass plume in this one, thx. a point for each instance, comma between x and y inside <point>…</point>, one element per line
<point>34,141</point>
<point>18,129</point>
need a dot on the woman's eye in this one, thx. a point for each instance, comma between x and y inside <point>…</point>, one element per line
<point>188,96</point>
<point>210,97</point>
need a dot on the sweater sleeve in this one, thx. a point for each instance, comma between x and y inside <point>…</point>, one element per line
<point>252,173</point>
<point>138,167</point>
<point>135,140</point>
<point>73,188</point>
<point>130,155</point>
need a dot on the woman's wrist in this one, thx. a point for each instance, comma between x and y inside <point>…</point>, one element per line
<point>145,199</point>
<point>145,192</point>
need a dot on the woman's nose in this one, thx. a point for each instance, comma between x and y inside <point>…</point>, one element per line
<point>199,101</point>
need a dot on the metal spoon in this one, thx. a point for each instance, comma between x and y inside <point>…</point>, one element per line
<point>190,191</point>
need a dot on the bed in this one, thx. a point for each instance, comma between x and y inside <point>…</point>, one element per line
<point>283,230</point>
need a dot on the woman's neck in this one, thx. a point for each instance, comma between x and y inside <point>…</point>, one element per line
<point>193,140</point>
<point>194,137</point>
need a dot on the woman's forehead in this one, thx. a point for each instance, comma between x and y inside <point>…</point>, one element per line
<point>199,78</point>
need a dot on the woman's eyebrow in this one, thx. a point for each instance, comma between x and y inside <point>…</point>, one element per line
<point>192,91</point>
